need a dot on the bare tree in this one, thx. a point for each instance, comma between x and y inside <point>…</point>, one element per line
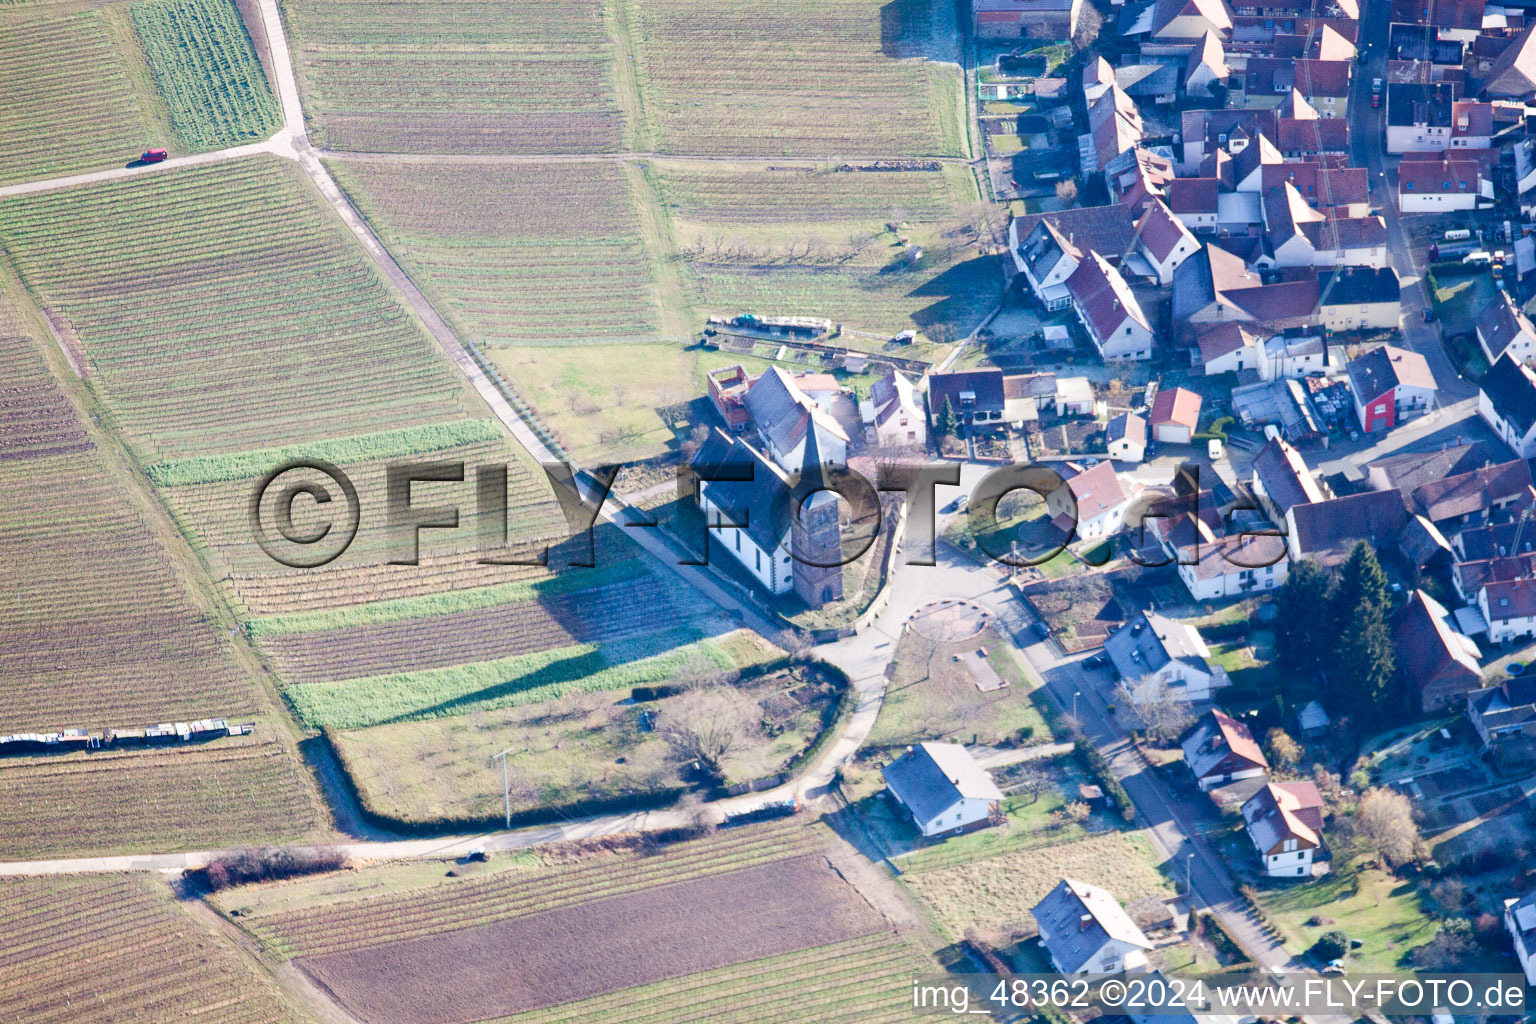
<point>1284,752</point>
<point>706,726</point>
<point>1384,821</point>
<point>1031,779</point>
<point>1164,715</point>
<point>1088,24</point>
<point>1066,191</point>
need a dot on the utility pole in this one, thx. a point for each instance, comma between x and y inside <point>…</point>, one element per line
<point>506,785</point>
<point>1189,889</point>
<point>1076,694</point>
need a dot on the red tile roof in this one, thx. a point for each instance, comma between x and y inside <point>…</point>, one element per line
<point>1178,406</point>
<point>1161,231</point>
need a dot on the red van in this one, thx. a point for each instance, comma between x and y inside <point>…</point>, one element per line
<point>153,156</point>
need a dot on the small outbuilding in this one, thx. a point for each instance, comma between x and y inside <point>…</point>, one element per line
<point>1175,415</point>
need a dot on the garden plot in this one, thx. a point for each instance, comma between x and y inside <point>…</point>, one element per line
<point>761,256</point>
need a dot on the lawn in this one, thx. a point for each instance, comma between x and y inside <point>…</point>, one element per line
<point>1461,298</point>
<point>1371,906</point>
<point>747,244</point>
<point>932,696</point>
<point>1000,890</point>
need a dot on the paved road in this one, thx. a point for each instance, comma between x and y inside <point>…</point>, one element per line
<point>1367,140</point>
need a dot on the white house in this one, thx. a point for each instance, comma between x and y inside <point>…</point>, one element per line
<point>1520,920</point>
<point>1085,931</point>
<point>1220,749</point>
<point>943,788</point>
<point>1509,608</point>
<point>1109,311</point>
<point>1158,657</point>
<point>1094,496</point>
<point>1503,328</point>
<point>1285,823</point>
<point>895,411</point>
<point>1506,398</point>
<point>1046,256</point>
<point>1164,240</point>
<point>1442,186</point>
<point>1126,437</point>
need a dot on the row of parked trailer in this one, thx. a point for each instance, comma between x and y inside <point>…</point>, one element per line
<point>66,740</point>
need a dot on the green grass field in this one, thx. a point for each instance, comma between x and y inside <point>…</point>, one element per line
<point>998,891</point>
<point>207,71</point>
<point>1369,905</point>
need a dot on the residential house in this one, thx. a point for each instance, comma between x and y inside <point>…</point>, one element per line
<point>1094,498</point>
<point>1513,74</point>
<point>1285,823</point>
<point>1114,126</point>
<point>1175,415</point>
<point>1509,608</point>
<point>1220,749</point>
<point>1438,662</point>
<point>1138,177</point>
<point>1506,399</point>
<point>975,396</point>
<point>1312,138</point>
<point>1229,348</point>
<point>1360,299</point>
<point>1164,240</point>
<point>1389,384</point>
<point>1215,286</point>
<point>1025,19</point>
<point>1206,66</point>
<point>1047,248</point>
<point>1323,83</point>
<point>1406,472</point>
<point>1426,116</point>
<point>1340,191</point>
<point>1300,236</point>
<point>1442,186</point>
<point>1452,19</point>
<point>1502,328</point>
<point>1195,201</point>
<point>1504,716</point>
<point>1109,311</point>
<point>1474,496</point>
<point>1211,563</point>
<point>1281,480</point>
<point>1150,82</point>
<point>896,412</point>
<point>942,788</point>
<point>1520,922</point>
<point>1186,22</point>
<point>1086,931</point>
<point>1126,437</point>
<point>1098,76</point>
<point>1326,531</point>
<point>1158,658</point>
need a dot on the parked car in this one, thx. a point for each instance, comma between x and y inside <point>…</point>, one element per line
<point>1214,449</point>
<point>153,156</point>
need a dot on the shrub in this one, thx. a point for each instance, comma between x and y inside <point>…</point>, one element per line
<point>1331,946</point>
<point>268,863</point>
<point>1096,765</point>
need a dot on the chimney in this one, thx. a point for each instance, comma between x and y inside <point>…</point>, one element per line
<point>1084,922</point>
